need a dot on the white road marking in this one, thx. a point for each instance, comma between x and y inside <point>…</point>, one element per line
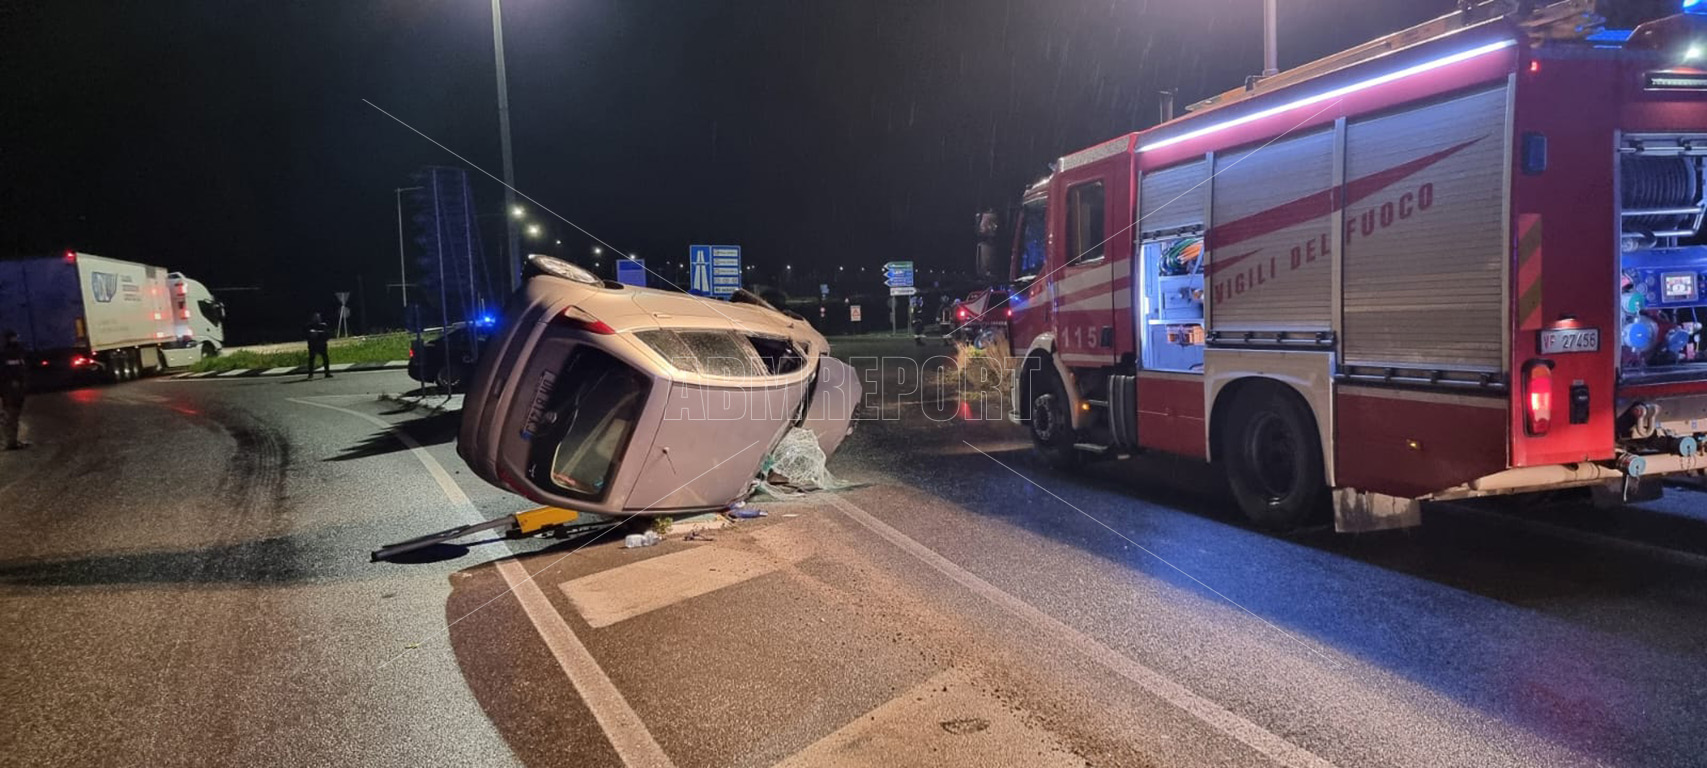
<point>341,366</point>
<point>984,731</point>
<point>234,372</point>
<point>620,593</point>
<point>279,371</point>
<point>1252,735</point>
<point>628,735</point>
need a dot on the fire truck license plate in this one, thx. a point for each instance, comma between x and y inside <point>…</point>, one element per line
<point>1562,340</point>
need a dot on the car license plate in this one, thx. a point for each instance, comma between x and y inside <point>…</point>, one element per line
<point>1562,340</point>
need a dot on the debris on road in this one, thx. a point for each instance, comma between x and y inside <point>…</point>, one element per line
<point>698,535</point>
<point>965,725</point>
<point>638,540</point>
<point>740,511</point>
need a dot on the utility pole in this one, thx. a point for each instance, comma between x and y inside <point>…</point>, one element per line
<point>504,137</point>
<point>402,260</point>
<point>1270,41</point>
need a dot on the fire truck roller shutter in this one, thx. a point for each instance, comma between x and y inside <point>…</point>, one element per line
<point>1269,266</point>
<point>1173,197</point>
<point>1424,244</point>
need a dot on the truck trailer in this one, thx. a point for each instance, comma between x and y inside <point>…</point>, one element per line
<point>1457,261</point>
<point>82,316</point>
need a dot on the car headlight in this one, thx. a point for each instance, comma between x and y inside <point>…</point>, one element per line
<point>555,267</point>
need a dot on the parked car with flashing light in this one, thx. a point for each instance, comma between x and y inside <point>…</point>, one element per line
<point>449,359</point>
<point>613,399</point>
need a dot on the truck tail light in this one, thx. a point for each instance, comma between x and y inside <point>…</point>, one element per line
<point>1538,397</point>
<point>71,257</point>
<point>580,318</point>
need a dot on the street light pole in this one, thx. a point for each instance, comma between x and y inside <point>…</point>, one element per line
<point>504,137</point>
<point>402,261</point>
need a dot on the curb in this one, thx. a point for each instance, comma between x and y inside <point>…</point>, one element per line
<point>243,373</point>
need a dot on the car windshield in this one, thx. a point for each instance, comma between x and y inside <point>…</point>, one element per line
<point>594,419</point>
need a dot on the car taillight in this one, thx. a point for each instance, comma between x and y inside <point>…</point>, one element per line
<point>961,313</point>
<point>411,351</point>
<point>77,361</point>
<point>1538,397</point>
<point>580,318</point>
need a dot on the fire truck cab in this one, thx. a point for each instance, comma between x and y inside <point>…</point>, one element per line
<point>1453,262</point>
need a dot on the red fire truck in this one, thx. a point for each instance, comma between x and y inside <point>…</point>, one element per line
<point>1453,262</point>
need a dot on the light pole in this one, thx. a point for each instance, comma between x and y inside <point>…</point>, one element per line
<point>504,137</point>
<point>1270,39</point>
<point>402,261</point>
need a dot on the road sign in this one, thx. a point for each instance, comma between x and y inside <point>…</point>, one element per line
<point>714,270</point>
<point>853,313</point>
<point>824,290</point>
<point>898,275</point>
<point>631,272</point>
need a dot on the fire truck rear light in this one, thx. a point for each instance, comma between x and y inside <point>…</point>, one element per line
<point>1010,311</point>
<point>1538,397</point>
<point>186,314</point>
<point>71,257</point>
<point>77,361</point>
<point>580,318</point>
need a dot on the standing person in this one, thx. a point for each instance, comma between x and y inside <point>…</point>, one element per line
<point>318,334</point>
<point>12,386</point>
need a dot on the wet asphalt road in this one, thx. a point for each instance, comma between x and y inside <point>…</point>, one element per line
<point>185,581</point>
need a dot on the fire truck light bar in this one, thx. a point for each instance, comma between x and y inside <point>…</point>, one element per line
<point>1333,94</point>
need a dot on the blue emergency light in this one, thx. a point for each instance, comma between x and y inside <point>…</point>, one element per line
<point>1695,6</point>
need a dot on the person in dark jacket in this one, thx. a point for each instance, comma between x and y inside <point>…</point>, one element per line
<point>318,334</point>
<point>13,370</point>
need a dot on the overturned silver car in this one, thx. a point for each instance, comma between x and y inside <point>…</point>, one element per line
<point>606,398</point>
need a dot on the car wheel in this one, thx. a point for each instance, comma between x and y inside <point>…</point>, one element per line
<point>209,350</point>
<point>1274,459</point>
<point>1051,420</point>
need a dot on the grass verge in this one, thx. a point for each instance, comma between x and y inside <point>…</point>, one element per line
<point>373,349</point>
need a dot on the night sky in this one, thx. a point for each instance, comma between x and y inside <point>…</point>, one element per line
<point>229,139</point>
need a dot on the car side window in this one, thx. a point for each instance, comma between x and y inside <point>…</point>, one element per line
<point>713,353</point>
<point>1085,239</point>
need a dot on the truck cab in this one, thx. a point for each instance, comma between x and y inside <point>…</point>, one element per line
<point>200,318</point>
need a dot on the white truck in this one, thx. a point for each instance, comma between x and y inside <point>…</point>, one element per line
<point>83,315</point>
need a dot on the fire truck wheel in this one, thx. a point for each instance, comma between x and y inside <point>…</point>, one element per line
<point>1274,459</point>
<point>1052,420</point>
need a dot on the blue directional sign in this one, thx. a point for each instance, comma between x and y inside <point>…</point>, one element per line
<point>898,275</point>
<point>631,272</point>
<point>714,270</point>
